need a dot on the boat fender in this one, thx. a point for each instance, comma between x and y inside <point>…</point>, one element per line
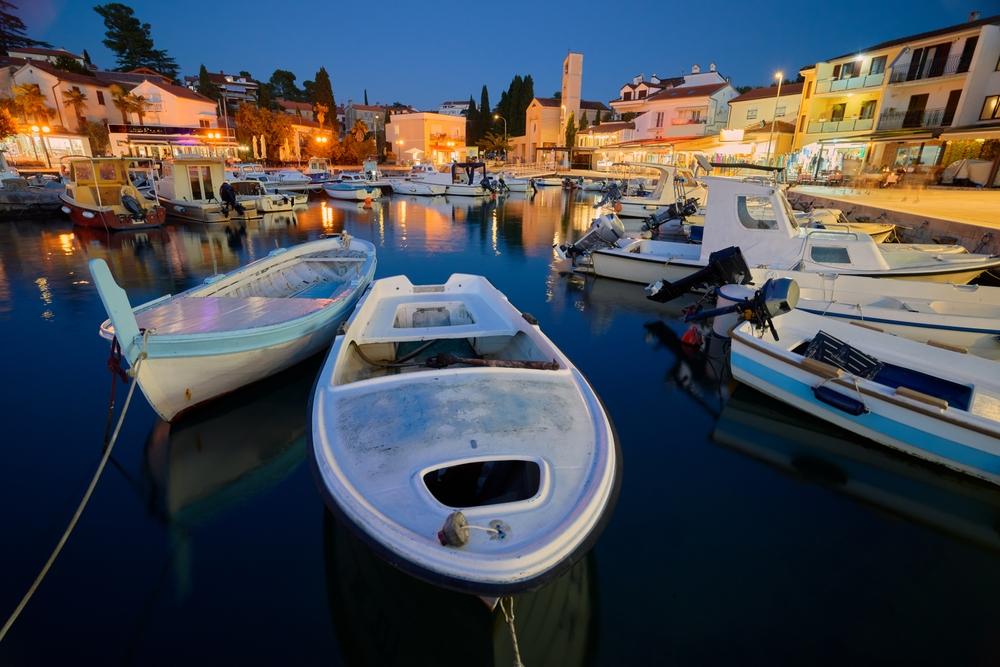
<point>842,402</point>
<point>132,205</point>
<point>692,337</point>
<point>530,319</point>
<point>455,532</point>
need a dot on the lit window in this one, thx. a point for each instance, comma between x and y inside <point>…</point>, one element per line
<point>991,108</point>
<point>868,109</point>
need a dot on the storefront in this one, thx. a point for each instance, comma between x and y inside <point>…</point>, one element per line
<point>43,149</point>
<point>973,142</point>
<point>159,141</point>
<point>831,158</point>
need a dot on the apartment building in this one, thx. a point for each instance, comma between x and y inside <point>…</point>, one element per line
<point>425,136</point>
<point>898,104</point>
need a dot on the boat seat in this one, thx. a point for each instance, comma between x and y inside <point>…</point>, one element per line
<point>486,321</point>
<point>831,350</point>
<point>216,314</point>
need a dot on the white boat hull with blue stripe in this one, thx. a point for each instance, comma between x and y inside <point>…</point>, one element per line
<point>935,404</point>
<point>240,327</point>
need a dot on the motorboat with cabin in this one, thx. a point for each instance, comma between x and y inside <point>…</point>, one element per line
<point>280,180</point>
<point>99,193</point>
<point>671,185</point>
<point>318,170</point>
<point>236,328</point>
<point>757,218</point>
<point>456,439</point>
<point>464,179</point>
<point>352,187</point>
<point>195,189</point>
<point>831,219</point>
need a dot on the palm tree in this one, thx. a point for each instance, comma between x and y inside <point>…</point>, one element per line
<point>29,100</point>
<point>77,100</point>
<point>494,143</point>
<point>320,111</point>
<point>139,105</point>
<point>120,99</point>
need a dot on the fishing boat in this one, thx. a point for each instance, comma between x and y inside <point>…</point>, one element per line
<point>195,188</point>
<point>318,170</point>
<point>352,187</point>
<point>280,180</point>
<point>757,218</point>
<point>936,404</point>
<point>465,179</point>
<point>408,187</point>
<point>239,327</point>
<point>254,194</point>
<point>548,181</point>
<point>99,193</point>
<point>671,185</point>
<point>592,185</point>
<point>456,439</point>
<point>829,219</point>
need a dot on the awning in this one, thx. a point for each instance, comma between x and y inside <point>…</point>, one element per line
<point>972,132</point>
<point>905,135</point>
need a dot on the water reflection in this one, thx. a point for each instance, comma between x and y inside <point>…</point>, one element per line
<point>815,452</point>
<point>384,617</point>
<point>224,454</point>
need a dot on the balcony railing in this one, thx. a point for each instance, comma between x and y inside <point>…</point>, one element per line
<point>896,120</point>
<point>688,121</point>
<point>832,85</point>
<point>930,69</point>
<point>847,125</point>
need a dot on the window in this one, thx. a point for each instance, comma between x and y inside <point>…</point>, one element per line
<point>848,70</point>
<point>751,113</point>
<point>204,123</point>
<point>830,254</point>
<point>642,93</point>
<point>627,95</point>
<point>877,66</point>
<point>779,111</point>
<point>756,212</point>
<point>991,108</point>
<point>836,71</point>
<point>100,97</point>
<point>868,109</point>
<point>965,60</point>
<point>809,89</point>
<point>837,111</point>
<point>659,119</point>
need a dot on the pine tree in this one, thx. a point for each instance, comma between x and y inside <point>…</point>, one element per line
<point>283,85</point>
<point>205,86</point>
<point>323,95</point>
<point>12,30</point>
<point>471,123</point>
<point>131,41</point>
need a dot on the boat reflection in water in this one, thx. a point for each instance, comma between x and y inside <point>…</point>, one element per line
<point>385,617</point>
<point>224,453</point>
<point>820,453</point>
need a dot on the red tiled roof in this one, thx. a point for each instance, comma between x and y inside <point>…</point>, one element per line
<point>688,91</point>
<point>133,78</point>
<point>180,91</point>
<point>608,128</point>
<point>584,104</point>
<point>292,104</point>
<point>366,107</point>
<point>63,75</point>
<point>46,52</point>
<point>768,91</point>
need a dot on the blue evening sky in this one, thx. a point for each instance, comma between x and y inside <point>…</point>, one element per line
<point>422,52</point>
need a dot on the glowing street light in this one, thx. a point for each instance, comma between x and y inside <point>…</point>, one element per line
<point>774,116</point>
<point>44,129</point>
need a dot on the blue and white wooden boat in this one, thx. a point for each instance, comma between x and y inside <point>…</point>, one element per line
<point>456,439</point>
<point>239,327</point>
<point>933,403</point>
<point>352,187</point>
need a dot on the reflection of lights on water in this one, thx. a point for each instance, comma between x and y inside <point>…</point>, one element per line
<point>326,215</point>
<point>493,231</point>
<point>43,290</point>
<point>66,243</point>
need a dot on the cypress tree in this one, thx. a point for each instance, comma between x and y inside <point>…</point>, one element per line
<point>485,113</point>
<point>205,85</point>
<point>323,94</point>
<point>471,123</point>
<point>366,97</point>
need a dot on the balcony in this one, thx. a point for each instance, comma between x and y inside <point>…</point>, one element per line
<point>832,85</point>
<point>919,118</point>
<point>906,71</point>
<point>688,121</point>
<point>846,125</point>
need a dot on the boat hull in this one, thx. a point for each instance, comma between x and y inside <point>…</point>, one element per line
<point>353,194</point>
<point>105,218</point>
<point>639,269</point>
<point>207,213</point>
<point>887,420</point>
<point>463,190</point>
<point>416,188</point>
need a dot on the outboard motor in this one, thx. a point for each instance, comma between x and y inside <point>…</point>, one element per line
<point>776,297</point>
<point>133,206</point>
<point>228,196</point>
<point>502,184</point>
<point>725,267</point>
<point>611,196</point>
<point>603,233</point>
<point>676,211</point>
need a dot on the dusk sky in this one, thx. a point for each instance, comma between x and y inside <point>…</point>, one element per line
<point>421,53</point>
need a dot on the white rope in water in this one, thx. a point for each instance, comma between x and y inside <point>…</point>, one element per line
<point>134,372</point>
<point>509,617</point>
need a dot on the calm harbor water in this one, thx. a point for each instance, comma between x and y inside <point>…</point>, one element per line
<point>745,534</point>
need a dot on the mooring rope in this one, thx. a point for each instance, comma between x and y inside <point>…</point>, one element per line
<point>509,617</point>
<point>134,373</point>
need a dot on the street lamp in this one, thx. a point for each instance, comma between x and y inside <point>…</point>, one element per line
<point>497,116</point>
<point>774,116</point>
<point>45,148</point>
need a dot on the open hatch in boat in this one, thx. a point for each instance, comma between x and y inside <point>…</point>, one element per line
<point>239,327</point>
<point>458,441</point>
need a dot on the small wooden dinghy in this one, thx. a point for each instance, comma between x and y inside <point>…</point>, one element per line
<point>458,441</point>
<point>240,327</point>
<point>936,404</point>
